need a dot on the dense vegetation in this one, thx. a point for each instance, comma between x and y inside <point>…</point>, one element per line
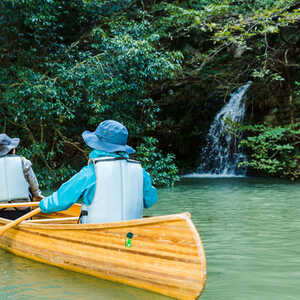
<point>273,149</point>
<point>163,68</point>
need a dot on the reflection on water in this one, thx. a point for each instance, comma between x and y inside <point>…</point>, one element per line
<point>251,233</point>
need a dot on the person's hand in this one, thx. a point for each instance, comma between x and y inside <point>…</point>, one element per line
<point>37,198</point>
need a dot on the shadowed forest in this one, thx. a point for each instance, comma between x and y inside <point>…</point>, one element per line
<point>163,68</point>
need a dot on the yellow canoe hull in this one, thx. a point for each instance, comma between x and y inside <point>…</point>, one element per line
<point>166,254</point>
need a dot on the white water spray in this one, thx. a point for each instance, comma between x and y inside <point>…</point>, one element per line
<point>222,155</point>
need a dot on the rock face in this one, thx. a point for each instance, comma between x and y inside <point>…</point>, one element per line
<point>186,115</point>
<point>200,92</point>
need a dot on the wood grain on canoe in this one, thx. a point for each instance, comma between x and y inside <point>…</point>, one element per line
<point>166,254</point>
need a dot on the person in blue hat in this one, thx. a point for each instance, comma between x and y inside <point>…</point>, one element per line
<point>109,143</point>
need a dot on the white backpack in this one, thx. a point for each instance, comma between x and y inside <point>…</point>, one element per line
<point>13,185</point>
<point>119,191</point>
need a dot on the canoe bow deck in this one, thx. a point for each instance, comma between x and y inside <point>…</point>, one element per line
<point>166,254</point>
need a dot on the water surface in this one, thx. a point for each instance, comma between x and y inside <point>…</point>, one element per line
<point>250,228</point>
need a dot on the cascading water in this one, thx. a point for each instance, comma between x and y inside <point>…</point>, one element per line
<point>222,155</point>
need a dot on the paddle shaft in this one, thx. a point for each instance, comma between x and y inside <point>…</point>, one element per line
<point>19,220</point>
<point>19,204</point>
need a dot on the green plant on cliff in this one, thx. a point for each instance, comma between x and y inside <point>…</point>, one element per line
<point>273,150</point>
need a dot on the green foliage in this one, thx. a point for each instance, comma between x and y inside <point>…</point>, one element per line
<point>68,65</point>
<point>235,5</point>
<point>273,150</point>
<point>228,26</point>
<point>161,167</point>
<point>65,66</point>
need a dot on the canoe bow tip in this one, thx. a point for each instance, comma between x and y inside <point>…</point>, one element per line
<point>187,214</point>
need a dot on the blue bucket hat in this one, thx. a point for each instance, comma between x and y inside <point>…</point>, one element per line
<point>7,143</point>
<point>110,136</point>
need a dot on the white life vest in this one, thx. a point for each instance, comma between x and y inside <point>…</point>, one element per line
<point>119,191</point>
<point>13,185</point>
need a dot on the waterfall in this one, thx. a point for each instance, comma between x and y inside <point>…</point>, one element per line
<point>221,154</point>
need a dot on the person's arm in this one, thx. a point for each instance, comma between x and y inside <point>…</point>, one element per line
<point>31,179</point>
<point>149,191</point>
<point>69,192</point>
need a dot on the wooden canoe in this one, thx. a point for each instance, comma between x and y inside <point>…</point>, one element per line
<point>166,254</point>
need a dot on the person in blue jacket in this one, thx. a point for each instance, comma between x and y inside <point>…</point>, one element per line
<point>109,139</point>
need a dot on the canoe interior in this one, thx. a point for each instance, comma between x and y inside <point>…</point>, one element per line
<point>166,254</point>
<point>72,212</point>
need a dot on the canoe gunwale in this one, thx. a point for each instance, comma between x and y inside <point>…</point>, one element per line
<point>129,223</point>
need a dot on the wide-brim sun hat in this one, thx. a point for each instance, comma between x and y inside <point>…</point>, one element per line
<point>110,136</point>
<point>7,143</point>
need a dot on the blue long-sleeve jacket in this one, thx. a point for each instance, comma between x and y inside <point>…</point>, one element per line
<point>83,184</point>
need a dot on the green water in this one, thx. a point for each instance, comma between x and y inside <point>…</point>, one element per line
<point>251,233</point>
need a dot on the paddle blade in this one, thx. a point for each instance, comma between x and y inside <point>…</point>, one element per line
<point>19,220</point>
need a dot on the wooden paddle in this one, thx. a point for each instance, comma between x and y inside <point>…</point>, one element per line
<point>19,220</point>
<point>19,204</point>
